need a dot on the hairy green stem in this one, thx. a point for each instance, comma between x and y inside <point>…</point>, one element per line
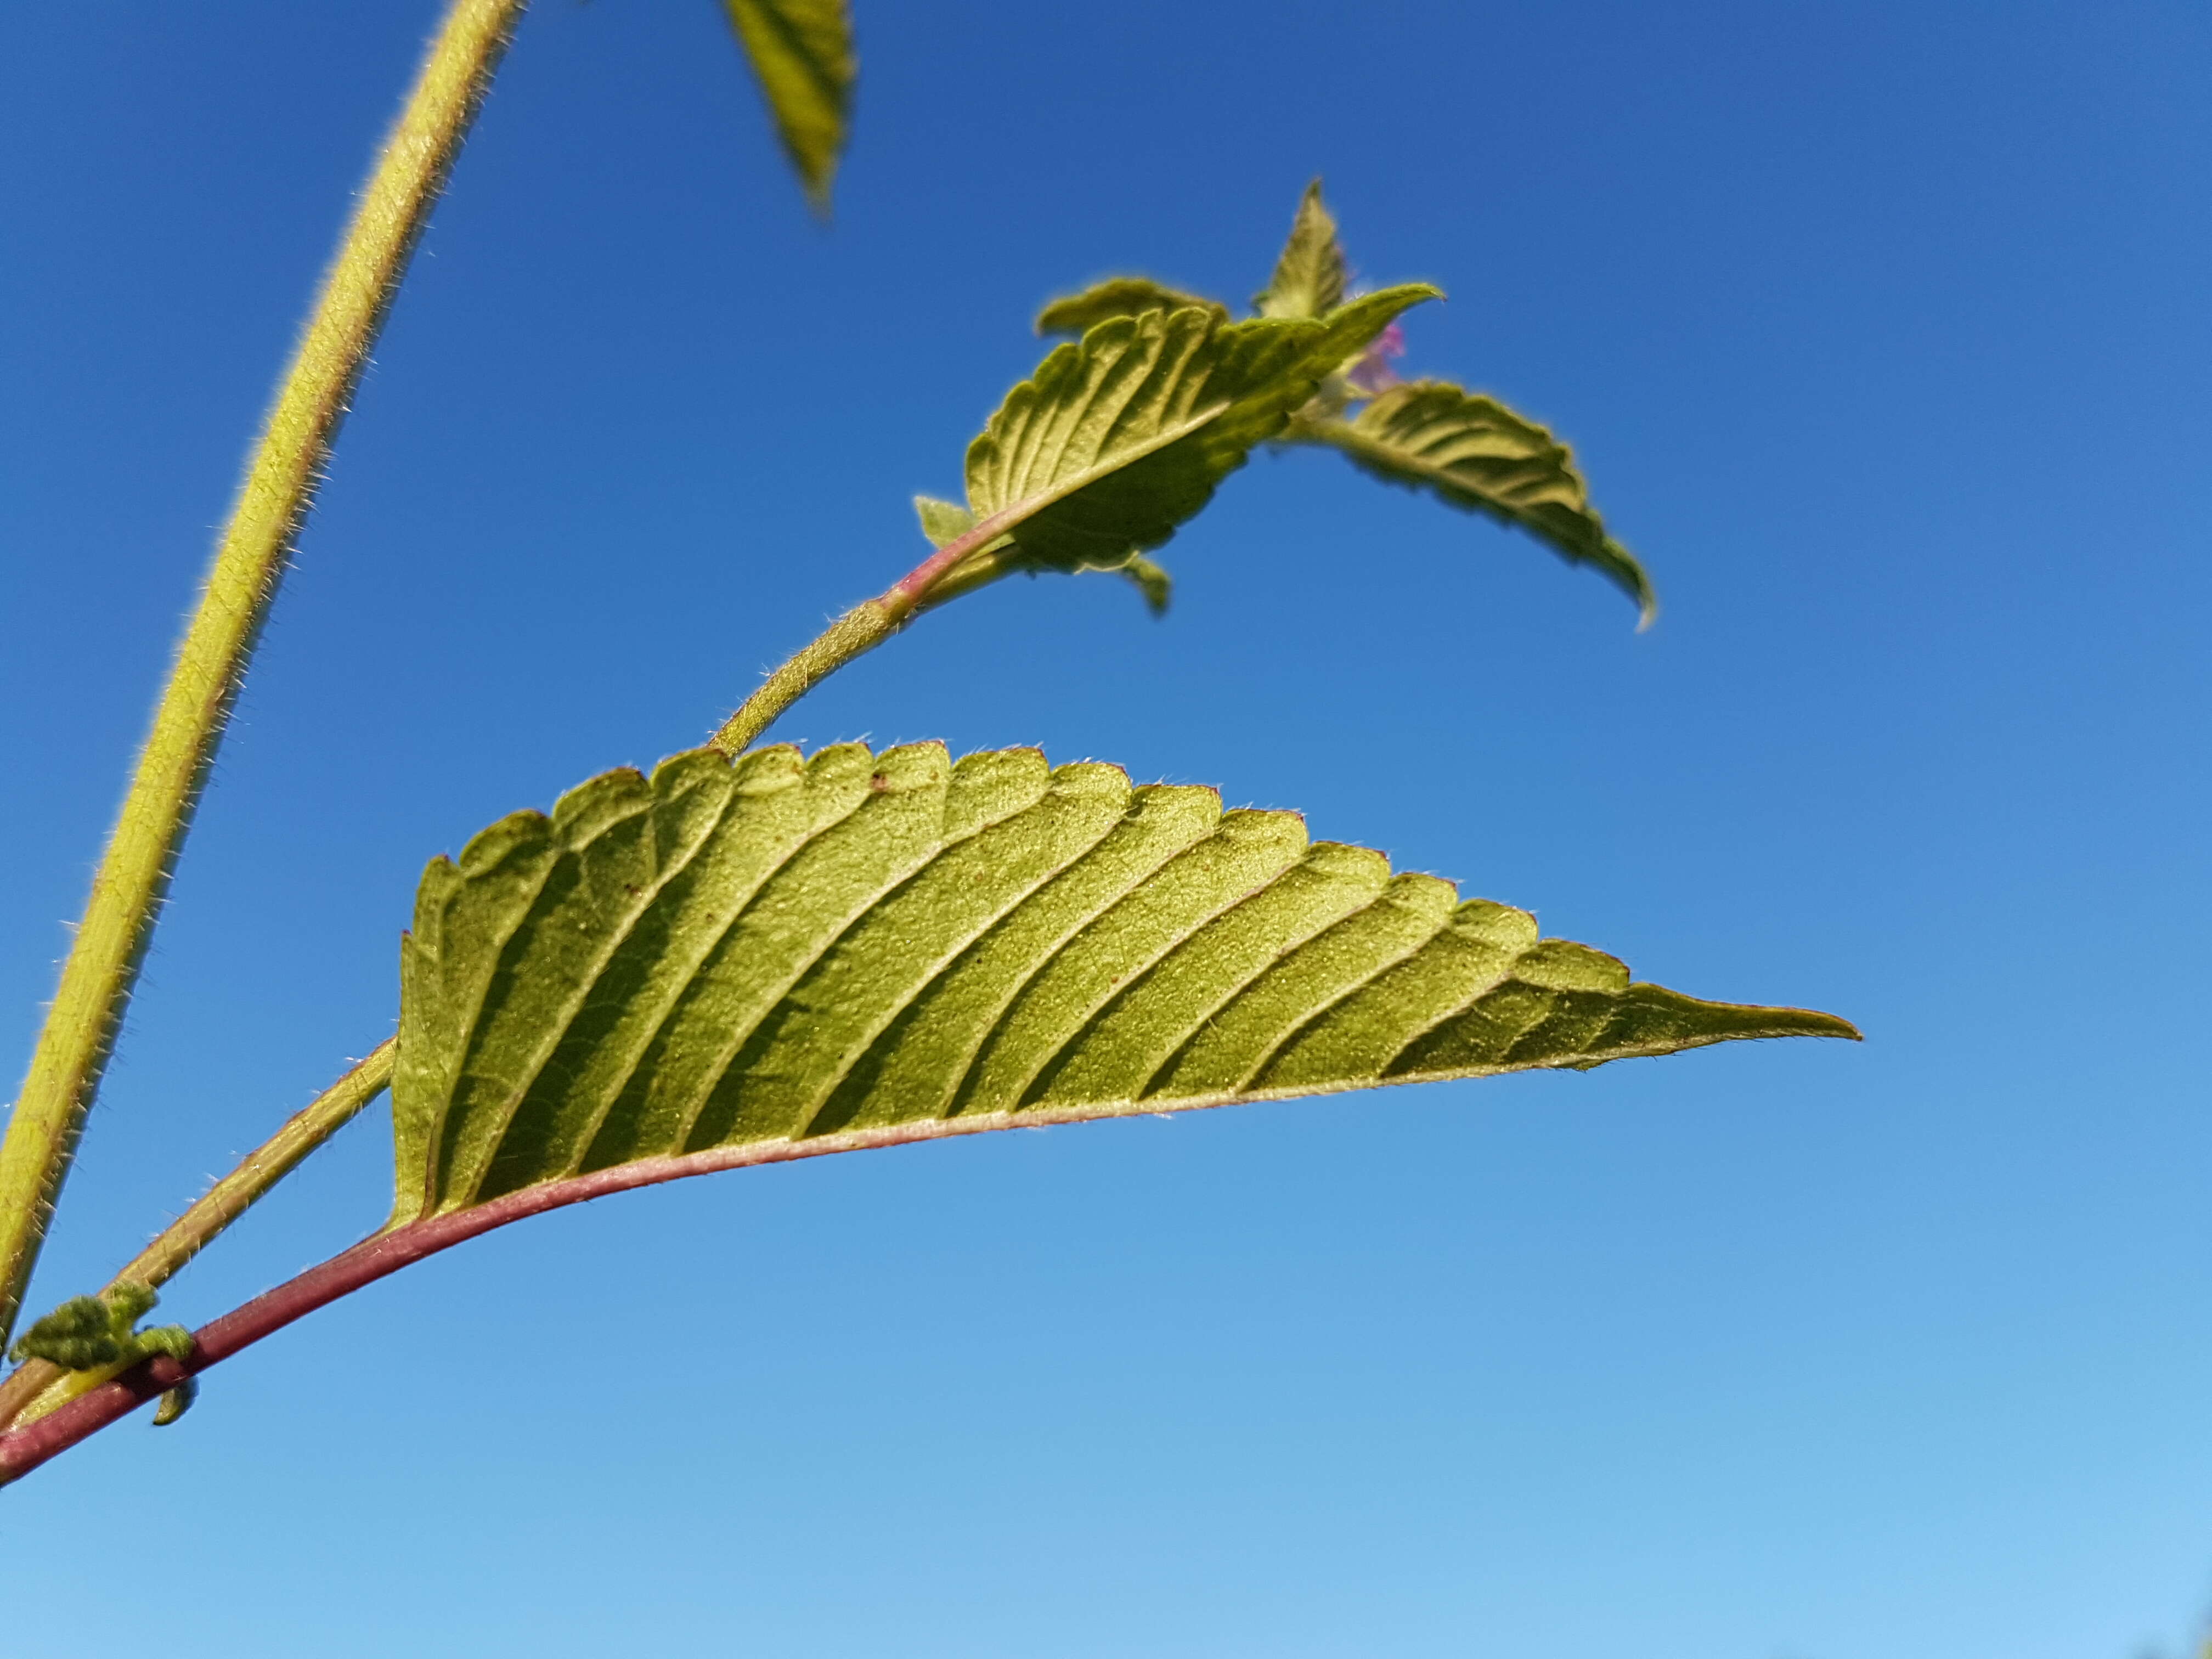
<point>862,629</point>
<point>959,567</point>
<point>968,562</point>
<point>127,890</point>
<point>223,1203</point>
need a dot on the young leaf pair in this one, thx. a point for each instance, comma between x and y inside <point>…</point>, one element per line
<point>1468,450</point>
<point>1122,434</point>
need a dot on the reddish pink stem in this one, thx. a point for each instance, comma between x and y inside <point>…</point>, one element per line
<point>912,588</point>
<point>23,1449</point>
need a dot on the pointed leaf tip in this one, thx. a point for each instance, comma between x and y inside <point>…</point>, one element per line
<point>1310,273</point>
<point>802,51</point>
<point>736,960</point>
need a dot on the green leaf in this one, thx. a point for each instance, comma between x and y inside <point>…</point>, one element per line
<point>1118,296</point>
<point>80,1336</point>
<point>95,1334</point>
<point>730,960</point>
<point>802,49</point>
<point>942,521</point>
<point>1473,453</point>
<point>176,1401</point>
<point>1309,279</point>
<point>1149,579</point>
<point>1120,437</point>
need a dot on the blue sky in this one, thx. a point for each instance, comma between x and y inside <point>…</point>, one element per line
<point>1880,331</point>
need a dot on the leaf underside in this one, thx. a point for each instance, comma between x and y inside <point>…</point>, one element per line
<point>1473,453</point>
<point>802,49</point>
<point>1119,438</point>
<point>776,950</point>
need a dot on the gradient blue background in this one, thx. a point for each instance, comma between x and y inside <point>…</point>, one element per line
<point>1882,331</point>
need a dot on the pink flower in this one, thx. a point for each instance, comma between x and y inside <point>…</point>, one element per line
<point>1370,372</point>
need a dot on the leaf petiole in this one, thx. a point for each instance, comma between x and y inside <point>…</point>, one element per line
<point>960,566</point>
